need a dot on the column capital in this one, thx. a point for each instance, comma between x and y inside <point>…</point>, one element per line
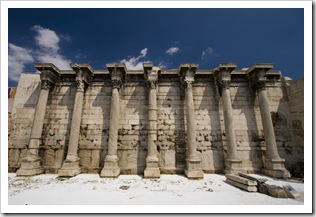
<point>222,75</point>
<point>151,74</point>
<point>257,75</point>
<point>187,72</point>
<point>84,72</point>
<point>117,72</point>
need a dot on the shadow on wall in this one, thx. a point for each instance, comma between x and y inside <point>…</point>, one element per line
<point>56,128</point>
<point>248,137</point>
<point>132,138</point>
<point>211,146</point>
<point>171,142</point>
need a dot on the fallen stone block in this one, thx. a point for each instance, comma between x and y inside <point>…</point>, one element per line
<point>241,180</point>
<point>277,191</point>
<point>251,188</point>
<point>290,192</point>
<point>263,188</point>
<point>259,180</point>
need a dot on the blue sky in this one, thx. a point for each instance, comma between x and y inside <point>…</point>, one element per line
<point>166,37</point>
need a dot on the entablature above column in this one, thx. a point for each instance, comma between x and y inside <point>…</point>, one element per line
<point>257,75</point>
<point>117,72</point>
<point>49,72</point>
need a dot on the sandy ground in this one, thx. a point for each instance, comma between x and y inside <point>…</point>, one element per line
<point>90,189</point>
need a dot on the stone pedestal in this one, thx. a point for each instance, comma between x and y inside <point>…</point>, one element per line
<point>30,166</point>
<point>152,169</point>
<point>193,168</point>
<point>111,168</point>
<point>193,162</point>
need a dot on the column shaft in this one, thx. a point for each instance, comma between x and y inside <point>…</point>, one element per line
<point>111,168</point>
<point>152,122</point>
<point>229,125</point>
<point>191,128</point>
<point>71,164</point>
<point>75,125</point>
<point>152,170</point>
<point>272,151</point>
<point>38,123</point>
<point>114,121</point>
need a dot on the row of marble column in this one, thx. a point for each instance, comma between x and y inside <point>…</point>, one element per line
<point>273,166</point>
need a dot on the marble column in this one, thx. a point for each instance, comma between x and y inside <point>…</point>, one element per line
<point>193,161</point>
<point>152,169</point>
<point>71,166</point>
<point>111,167</point>
<point>223,78</point>
<point>31,165</point>
<point>274,164</point>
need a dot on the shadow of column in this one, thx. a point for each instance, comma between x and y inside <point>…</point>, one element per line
<point>248,138</point>
<point>209,137</point>
<point>56,128</point>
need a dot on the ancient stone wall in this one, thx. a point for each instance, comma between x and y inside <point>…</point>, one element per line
<point>172,130</point>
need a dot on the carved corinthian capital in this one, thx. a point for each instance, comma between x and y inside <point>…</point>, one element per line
<point>224,84</point>
<point>46,85</point>
<point>116,84</point>
<point>80,85</point>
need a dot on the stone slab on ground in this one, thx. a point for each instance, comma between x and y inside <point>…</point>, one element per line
<point>251,188</point>
<point>241,180</point>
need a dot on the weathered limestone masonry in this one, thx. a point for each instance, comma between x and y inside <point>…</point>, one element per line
<point>154,121</point>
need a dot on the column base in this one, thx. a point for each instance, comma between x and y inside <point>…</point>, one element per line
<point>111,168</point>
<point>70,168</point>
<point>152,169</point>
<point>30,166</point>
<point>233,166</point>
<point>275,168</point>
<point>194,168</point>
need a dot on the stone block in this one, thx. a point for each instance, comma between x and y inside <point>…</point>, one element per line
<point>290,192</point>
<point>250,188</point>
<point>276,191</point>
<point>241,180</point>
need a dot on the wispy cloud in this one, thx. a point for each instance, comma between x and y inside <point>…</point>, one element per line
<point>48,48</point>
<point>134,62</point>
<point>172,50</point>
<point>18,58</point>
<point>207,52</point>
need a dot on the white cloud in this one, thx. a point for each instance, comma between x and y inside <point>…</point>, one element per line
<point>206,52</point>
<point>46,38</point>
<point>172,50</point>
<point>134,62</point>
<point>144,52</point>
<point>18,57</point>
<point>49,50</point>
